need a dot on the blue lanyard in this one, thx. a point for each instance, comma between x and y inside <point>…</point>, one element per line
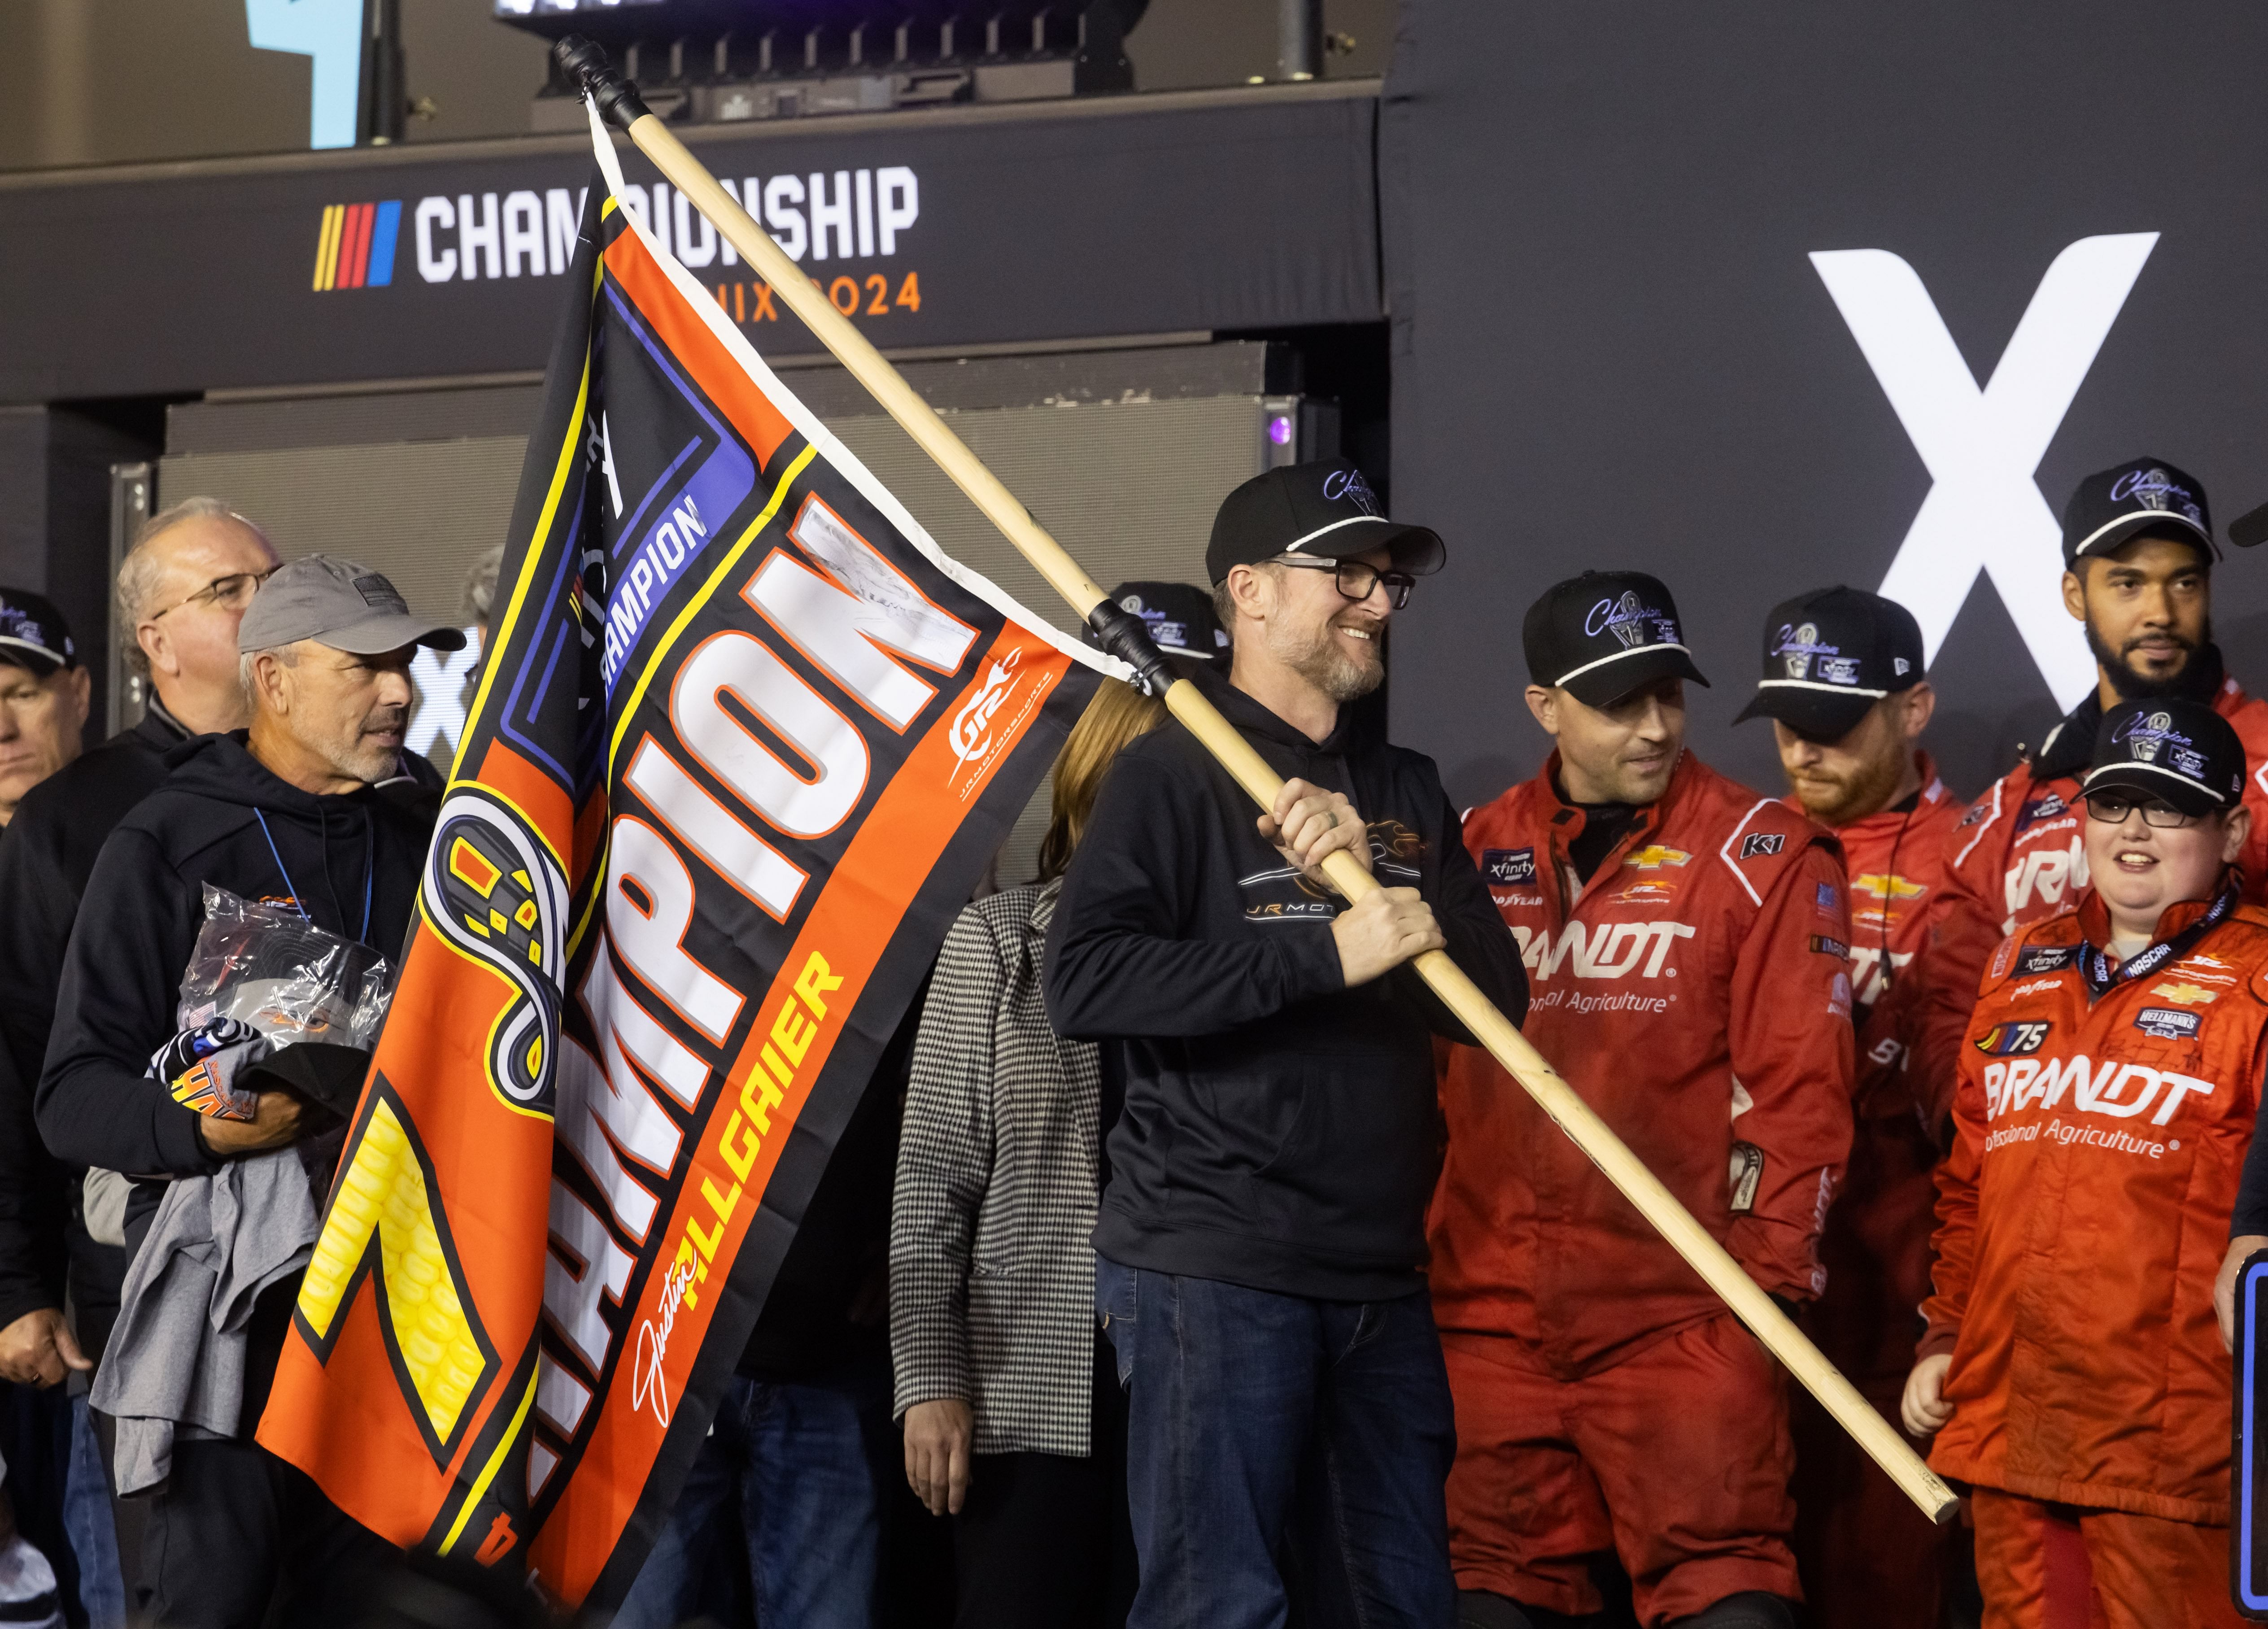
<point>369,870</point>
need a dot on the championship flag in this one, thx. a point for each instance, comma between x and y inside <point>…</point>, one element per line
<point>743,742</point>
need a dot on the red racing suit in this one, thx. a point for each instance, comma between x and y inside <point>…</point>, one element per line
<point>1695,992</point>
<point>1868,1560</point>
<point>2083,1214</point>
<point>2016,859</point>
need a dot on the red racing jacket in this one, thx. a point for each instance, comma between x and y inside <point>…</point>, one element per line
<point>1695,993</point>
<point>2084,1210</point>
<point>1899,900</point>
<point>2016,858</point>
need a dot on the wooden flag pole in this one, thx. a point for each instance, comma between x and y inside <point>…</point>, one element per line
<point>617,101</point>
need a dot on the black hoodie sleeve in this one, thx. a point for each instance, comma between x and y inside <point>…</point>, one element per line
<point>33,1206</point>
<point>34,1203</point>
<point>1116,963</point>
<point>121,986</point>
<point>1478,940</point>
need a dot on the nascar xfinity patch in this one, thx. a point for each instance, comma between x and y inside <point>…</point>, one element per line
<point>2046,959</point>
<point>1508,867</point>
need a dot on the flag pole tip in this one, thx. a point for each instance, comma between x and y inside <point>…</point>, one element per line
<point>585,63</point>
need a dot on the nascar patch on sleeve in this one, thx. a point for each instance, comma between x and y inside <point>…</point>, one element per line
<point>1827,946</point>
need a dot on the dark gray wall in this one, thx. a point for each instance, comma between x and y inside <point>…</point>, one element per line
<point>55,525</point>
<point>1612,348</point>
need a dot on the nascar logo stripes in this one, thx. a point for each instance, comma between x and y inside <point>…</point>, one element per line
<point>354,247</point>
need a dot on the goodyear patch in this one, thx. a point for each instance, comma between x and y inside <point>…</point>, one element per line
<point>2015,1040</point>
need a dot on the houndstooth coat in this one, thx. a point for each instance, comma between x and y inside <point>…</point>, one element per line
<point>992,1273</point>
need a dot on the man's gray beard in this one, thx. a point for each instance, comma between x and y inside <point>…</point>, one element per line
<point>365,761</point>
<point>1322,664</point>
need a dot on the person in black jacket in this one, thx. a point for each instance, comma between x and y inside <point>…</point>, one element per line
<point>1262,1239</point>
<point>183,589</point>
<point>290,812</point>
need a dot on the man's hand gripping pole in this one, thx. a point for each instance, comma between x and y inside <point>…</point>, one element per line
<point>617,101</point>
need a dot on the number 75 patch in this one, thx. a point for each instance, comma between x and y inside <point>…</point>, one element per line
<point>2012,1040</point>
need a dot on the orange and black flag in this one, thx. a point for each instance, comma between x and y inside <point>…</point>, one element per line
<point>743,742</point>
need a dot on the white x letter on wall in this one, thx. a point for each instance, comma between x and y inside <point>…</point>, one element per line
<point>1982,446</point>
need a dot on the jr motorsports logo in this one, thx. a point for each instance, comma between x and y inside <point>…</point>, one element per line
<point>1982,446</point>
<point>855,223</point>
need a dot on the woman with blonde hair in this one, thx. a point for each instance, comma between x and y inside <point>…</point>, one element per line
<point>1014,1421</point>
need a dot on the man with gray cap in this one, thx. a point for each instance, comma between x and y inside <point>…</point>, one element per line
<point>288,812</point>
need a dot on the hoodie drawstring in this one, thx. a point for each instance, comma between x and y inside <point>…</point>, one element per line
<point>369,865</point>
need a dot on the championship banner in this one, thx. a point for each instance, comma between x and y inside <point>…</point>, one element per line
<point>743,744</point>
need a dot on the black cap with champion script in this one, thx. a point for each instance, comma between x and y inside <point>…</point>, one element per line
<point>1830,655</point>
<point>2170,748</point>
<point>1325,509</point>
<point>1602,635</point>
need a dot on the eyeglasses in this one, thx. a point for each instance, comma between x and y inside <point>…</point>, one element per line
<point>232,592</point>
<point>1356,579</point>
<point>2112,808</point>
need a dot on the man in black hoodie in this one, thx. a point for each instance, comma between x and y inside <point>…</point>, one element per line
<point>287,812</point>
<point>1262,1243</point>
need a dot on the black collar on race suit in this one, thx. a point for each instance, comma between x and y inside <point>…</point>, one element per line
<point>2070,746</point>
<point>2095,963</point>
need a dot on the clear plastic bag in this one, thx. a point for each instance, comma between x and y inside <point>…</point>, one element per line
<point>269,967</point>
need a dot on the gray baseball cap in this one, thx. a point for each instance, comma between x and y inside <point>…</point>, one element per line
<point>338,603</point>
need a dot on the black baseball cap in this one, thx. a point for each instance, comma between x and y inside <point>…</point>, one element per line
<point>1602,635</point>
<point>2140,495</point>
<point>1179,618</point>
<point>341,604</point>
<point>33,634</point>
<point>1830,655</point>
<point>1325,509</point>
<point>2174,748</point>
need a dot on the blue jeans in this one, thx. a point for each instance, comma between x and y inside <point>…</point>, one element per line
<point>1230,1393</point>
<point>795,1466</point>
<point>87,1519</point>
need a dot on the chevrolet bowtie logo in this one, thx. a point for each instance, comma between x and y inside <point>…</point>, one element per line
<point>1654,856</point>
<point>1888,887</point>
<point>2195,995</point>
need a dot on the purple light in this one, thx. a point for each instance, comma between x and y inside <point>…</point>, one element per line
<point>1279,429</point>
